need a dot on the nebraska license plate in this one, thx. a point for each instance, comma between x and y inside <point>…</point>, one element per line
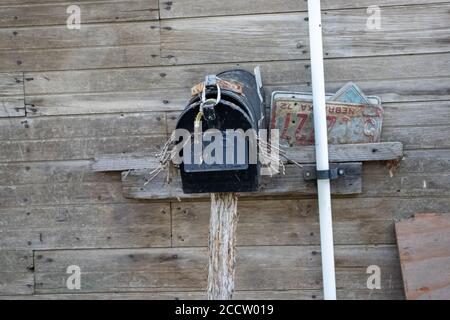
<point>292,115</point>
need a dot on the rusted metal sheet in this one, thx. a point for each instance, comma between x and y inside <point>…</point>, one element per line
<point>292,114</point>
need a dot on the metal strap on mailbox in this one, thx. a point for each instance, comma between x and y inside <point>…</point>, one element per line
<point>222,84</point>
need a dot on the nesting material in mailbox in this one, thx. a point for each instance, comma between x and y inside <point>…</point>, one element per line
<point>220,108</point>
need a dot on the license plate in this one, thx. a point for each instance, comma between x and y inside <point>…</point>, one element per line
<point>292,115</point>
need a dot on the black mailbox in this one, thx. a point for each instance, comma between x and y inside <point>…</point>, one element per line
<point>229,103</point>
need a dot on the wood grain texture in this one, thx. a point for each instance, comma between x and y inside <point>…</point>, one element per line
<point>416,183</point>
<point>295,222</point>
<point>11,95</point>
<point>342,294</point>
<point>417,137</point>
<point>208,8</point>
<point>406,184</point>
<point>47,13</point>
<point>423,243</point>
<point>357,220</point>
<point>57,183</point>
<point>27,2</point>
<point>258,268</point>
<point>63,204</point>
<point>337,153</point>
<point>276,73</point>
<point>390,91</point>
<point>93,46</point>
<point>121,162</point>
<point>77,148</point>
<point>405,30</point>
<point>80,137</point>
<point>105,125</point>
<point>107,102</point>
<point>79,58</point>
<point>96,35</point>
<point>58,226</point>
<point>16,272</point>
<point>279,185</point>
<point>350,153</point>
<point>61,193</point>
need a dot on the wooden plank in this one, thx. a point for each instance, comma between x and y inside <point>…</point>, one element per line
<point>77,148</point>
<point>59,37</point>
<point>417,114</point>
<point>57,226</point>
<point>412,185</point>
<point>25,2</point>
<point>337,153</point>
<point>80,58</point>
<point>16,272</point>
<point>284,36</point>
<point>105,125</point>
<point>377,184</point>
<point>423,161</point>
<point>177,269</point>
<point>295,222</point>
<point>11,84</point>
<point>342,294</point>
<point>417,137</point>
<point>61,194</point>
<point>57,183</point>
<point>422,173</point>
<point>108,102</point>
<point>276,73</point>
<point>357,220</point>
<point>255,38</point>
<point>11,95</point>
<point>280,185</point>
<point>425,256</point>
<point>12,107</point>
<point>350,152</point>
<point>389,90</point>
<point>395,294</point>
<point>175,99</point>
<point>93,46</point>
<point>39,13</point>
<point>405,90</point>
<point>433,161</point>
<point>48,172</point>
<point>121,162</point>
<point>204,8</point>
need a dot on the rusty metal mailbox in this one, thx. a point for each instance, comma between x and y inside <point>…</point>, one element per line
<point>228,101</point>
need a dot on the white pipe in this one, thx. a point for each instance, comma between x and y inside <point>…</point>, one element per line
<point>321,137</point>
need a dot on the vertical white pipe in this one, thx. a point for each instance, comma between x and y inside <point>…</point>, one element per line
<point>321,137</point>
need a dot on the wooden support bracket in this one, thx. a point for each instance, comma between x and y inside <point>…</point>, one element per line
<point>338,153</point>
<point>289,184</point>
<point>136,168</point>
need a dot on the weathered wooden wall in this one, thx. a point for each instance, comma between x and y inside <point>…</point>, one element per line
<point>116,86</point>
